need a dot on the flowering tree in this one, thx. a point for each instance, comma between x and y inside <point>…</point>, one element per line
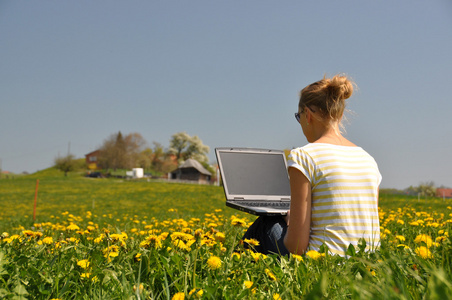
<point>185,146</point>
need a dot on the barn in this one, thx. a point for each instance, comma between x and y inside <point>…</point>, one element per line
<point>191,170</point>
<point>446,193</point>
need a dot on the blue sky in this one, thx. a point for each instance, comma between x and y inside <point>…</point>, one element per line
<point>75,72</point>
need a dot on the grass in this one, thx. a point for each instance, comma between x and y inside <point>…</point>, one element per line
<point>134,239</point>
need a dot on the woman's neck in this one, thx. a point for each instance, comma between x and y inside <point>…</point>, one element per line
<point>332,135</point>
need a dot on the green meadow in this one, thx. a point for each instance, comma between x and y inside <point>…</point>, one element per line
<point>139,239</point>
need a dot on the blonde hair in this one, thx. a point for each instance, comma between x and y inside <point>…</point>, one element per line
<point>327,97</point>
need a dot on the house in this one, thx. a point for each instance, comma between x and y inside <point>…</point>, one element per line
<point>92,159</point>
<point>446,193</point>
<point>191,170</point>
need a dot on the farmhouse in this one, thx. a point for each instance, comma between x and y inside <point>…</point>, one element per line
<point>446,193</point>
<point>191,170</point>
<point>92,159</point>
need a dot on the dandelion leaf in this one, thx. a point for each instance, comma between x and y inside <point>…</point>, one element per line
<point>20,290</point>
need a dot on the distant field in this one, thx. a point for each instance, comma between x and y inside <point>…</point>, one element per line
<point>115,197</point>
<point>118,239</point>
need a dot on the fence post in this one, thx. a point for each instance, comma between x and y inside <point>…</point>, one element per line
<point>36,196</point>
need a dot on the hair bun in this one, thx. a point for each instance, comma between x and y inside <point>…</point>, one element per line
<point>339,88</point>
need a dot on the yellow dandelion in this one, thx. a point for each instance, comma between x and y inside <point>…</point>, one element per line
<point>256,255</point>
<point>85,275</point>
<point>181,245</point>
<point>236,255</point>
<point>401,238</point>
<point>372,272</point>
<point>219,236</point>
<point>47,240</point>
<point>248,284</point>
<point>252,242</point>
<point>152,241</point>
<point>84,263</point>
<point>270,275</point>
<point>99,239</point>
<point>178,296</point>
<point>314,254</point>
<point>276,297</point>
<point>434,224</point>
<point>403,246</point>
<point>297,257</point>
<point>72,227</point>
<point>141,288</point>
<point>28,233</point>
<point>138,257</point>
<point>423,252</point>
<point>214,262</point>
<point>238,222</point>
<point>111,251</point>
<point>424,238</point>
<point>197,293</point>
<point>12,238</point>
<point>441,239</point>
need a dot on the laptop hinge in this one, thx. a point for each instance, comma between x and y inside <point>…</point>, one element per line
<point>284,199</point>
<point>239,198</point>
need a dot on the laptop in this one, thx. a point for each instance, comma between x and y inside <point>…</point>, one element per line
<point>255,181</point>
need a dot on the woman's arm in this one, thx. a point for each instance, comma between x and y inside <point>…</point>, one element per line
<point>297,237</point>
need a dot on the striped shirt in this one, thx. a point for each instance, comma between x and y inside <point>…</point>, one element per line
<point>344,182</point>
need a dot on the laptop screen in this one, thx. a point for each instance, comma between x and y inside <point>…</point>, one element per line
<point>255,173</point>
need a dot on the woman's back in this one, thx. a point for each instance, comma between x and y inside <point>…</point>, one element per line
<point>344,183</point>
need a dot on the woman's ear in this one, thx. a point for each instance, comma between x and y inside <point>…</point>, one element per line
<point>308,116</point>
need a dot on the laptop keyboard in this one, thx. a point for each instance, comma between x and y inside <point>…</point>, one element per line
<point>276,204</point>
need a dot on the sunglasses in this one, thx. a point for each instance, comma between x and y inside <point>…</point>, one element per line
<point>298,114</point>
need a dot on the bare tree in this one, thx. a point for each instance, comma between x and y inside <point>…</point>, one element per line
<point>134,146</point>
<point>118,152</point>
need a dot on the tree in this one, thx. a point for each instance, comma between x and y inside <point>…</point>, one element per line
<point>424,189</point>
<point>184,147</point>
<point>427,189</point>
<point>134,146</point>
<point>158,157</point>
<point>118,152</point>
<point>66,164</point>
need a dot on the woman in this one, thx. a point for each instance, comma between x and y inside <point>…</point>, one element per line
<point>334,183</point>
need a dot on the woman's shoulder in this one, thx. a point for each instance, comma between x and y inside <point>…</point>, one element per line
<point>308,151</point>
<point>324,146</point>
<point>324,149</point>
